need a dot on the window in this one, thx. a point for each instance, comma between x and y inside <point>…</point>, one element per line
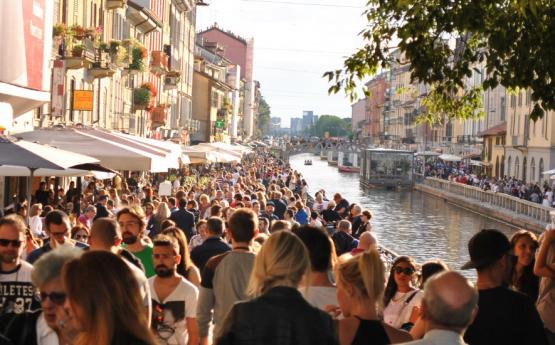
<point>540,170</point>
<point>517,167</point>
<point>513,101</point>
<point>528,94</point>
<point>520,98</point>
<point>524,166</point>
<point>509,162</point>
<point>502,172</point>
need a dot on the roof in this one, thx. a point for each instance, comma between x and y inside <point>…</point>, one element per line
<point>228,33</point>
<point>495,130</point>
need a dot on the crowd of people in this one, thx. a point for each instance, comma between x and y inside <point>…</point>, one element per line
<point>242,254</point>
<point>534,192</point>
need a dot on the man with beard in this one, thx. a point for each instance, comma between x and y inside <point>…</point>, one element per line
<point>58,231</point>
<point>17,294</point>
<point>174,299</point>
<point>132,224</point>
<point>106,236</point>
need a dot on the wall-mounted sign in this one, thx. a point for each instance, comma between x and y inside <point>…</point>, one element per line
<point>83,100</point>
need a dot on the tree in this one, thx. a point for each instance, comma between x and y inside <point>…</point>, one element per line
<point>264,113</point>
<point>333,125</point>
<point>512,38</point>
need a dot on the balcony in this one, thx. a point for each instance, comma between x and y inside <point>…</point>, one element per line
<point>171,80</point>
<point>115,4</point>
<point>158,116</point>
<point>80,55</point>
<point>159,62</point>
<point>103,67</point>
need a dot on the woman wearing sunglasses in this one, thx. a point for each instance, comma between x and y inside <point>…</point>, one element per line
<point>401,299</point>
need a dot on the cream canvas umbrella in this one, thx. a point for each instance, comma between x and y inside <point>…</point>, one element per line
<point>21,153</point>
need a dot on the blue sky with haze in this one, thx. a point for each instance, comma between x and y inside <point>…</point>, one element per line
<point>296,41</point>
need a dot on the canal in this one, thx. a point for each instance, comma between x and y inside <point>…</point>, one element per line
<point>407,222</point>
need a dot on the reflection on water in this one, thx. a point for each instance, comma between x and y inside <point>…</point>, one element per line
<point>407,222</point>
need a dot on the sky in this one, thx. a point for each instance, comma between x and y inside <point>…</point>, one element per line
<point>295,42</point>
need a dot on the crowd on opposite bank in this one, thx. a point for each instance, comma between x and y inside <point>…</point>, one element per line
<point>534,192</point>
<point>242,255</point>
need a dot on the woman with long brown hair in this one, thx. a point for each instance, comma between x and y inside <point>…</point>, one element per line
<point>104,305</point>
<point>401,298</point>
<point>524,245</point>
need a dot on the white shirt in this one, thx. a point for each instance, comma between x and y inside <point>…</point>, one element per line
<point>45,334</point>
<point>17,295</point>
<point>35,223</point>
<point>319,296</point>
<point>179,305</point>
<point>398,311</point>
<point>439,337</point>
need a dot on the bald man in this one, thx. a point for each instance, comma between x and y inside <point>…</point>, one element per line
<point>449,306</point>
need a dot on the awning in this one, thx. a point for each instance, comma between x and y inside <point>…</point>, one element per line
<point>208,154</point>
<point>172,150</point>
<point>22,99</point>
<point>479,163</point>
<point>449,158</point>
<point>222,148</point>
<point>549,172</point>
<point>471,155</point>
<point>113,153</point>
<point>428,153</point>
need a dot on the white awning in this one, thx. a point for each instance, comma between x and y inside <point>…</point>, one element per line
<point>22,99</point>
<point>450,158</point>
<point>113,153</point>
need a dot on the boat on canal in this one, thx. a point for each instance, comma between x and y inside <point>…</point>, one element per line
<point>308,162</point>
<point>348,169</point>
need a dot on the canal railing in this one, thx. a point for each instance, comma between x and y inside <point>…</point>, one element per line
<point>504,201</point>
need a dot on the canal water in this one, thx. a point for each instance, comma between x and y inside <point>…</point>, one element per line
<point>407,222</point>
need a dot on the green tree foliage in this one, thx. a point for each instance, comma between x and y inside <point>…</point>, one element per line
<point>512,38</point>
<point>335,126</point>
<point>264,114</point>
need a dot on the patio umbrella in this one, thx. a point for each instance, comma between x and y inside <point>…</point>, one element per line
<point>549,172</point>
<point>35,156</point>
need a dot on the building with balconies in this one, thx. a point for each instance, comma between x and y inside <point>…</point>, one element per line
<point>529,148</point>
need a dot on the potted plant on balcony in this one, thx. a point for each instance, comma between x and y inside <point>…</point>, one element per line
<point>141,98</point>
<point>59,30</point>
<point>78,32</point>
<point>139,54</point>
<point>104,47</point>
<point>173,78</point>
<point>77,50</point>
<point>151,88</point>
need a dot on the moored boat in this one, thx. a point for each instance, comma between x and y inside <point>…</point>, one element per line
<point>348,169</point>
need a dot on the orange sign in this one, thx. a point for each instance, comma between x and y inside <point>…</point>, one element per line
<point>83,100</point>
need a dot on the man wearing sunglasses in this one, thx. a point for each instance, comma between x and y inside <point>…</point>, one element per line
<point>17,295</point>
<point>58,231</point>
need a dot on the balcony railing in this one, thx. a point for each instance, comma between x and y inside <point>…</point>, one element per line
<point>114,4</point>
<point>102,67</point>
<point>159,62</point>
<point>171,80</point>
<point>504,201</point>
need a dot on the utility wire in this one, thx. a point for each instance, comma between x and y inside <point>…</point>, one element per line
<point>304,4</point>
<point>301,50</point>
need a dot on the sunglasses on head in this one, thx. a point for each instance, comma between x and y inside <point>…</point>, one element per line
<point>15,243</point>
<point>57,298</point>
<point>407,270</point>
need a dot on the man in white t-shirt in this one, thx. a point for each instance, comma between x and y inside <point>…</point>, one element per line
<point>174,299</point>
<point>17,294</point>
<point>321,291</point>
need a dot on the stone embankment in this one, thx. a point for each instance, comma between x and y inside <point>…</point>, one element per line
<point>502,207</point>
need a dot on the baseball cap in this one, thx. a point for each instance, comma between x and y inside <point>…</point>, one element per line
<point>486,247</point>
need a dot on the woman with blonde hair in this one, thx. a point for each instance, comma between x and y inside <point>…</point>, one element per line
<point>282,315</point>
<point>104,305</point>
<point>35,222</point>
<point>360,290</point>
<point>155,222</point>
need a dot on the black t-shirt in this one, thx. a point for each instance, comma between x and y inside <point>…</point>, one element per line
<point>505,317</point>
<point>343,204</point>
